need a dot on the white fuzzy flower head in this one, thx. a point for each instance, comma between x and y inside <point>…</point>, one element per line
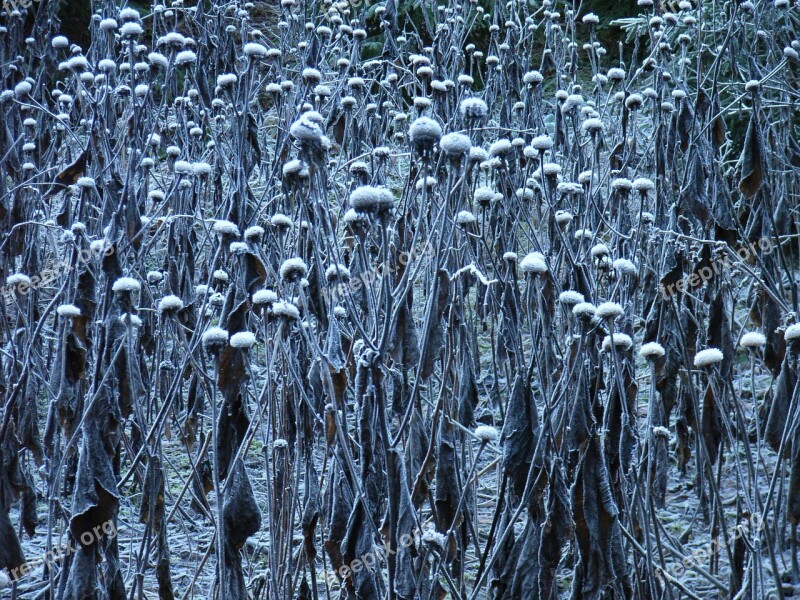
<point>484,195</point>
<point>238,248</point>
<point>264,297</point>
<point>455,145</point>
<point>18,279</point>
<point>368,199</point>
<point>306,130</point>
<point>625,266</point>
<point>616,74</point>
<point>570,297</point>
<point>214,338</point>
<point>584,310</point>
<point>486,433</point>
<point>659,431</point>
<point>599,250</point>
<point>651,350</point>
<point>708,357</point>
<point>226,80</point>
<point>280,221</point>
<point>500,148</point>
<point>337,274</point>
<point>131,320</point>
<point>201,169</point>
<point>473,109</point>
<point>223,227</point>
<point>126,284</point>
<point>532,78</point>
<point>622,184</point>
<point>170,305</point>
<point>563,217</point>
<point>185,57</point>
<point>752,340</point>
<point>433,538</point>
<point>243,339</point>
<point>255,50</point>
<point>253,233</point>
<point>23,88</point>
<point>534,263</point>
<point>792,332</point>
<point>592,126</point>
<point>68,311</point>
<point>129,30</point>
<point>424,134</point>
<point>609,310</point>
<point>293,269</point>
<point>620,340</point>
<point>465,218</point>
<point>286,310</point>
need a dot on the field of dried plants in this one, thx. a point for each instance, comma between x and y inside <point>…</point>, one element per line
<point>403,300</point>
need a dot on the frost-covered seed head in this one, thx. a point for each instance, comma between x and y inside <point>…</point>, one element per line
<point>455,145</point>
<point>170,304</point>
<point>651,350</point>
<point>570,297</point>
<point>68,311</point>
<point>486,433</point>
<point>130,320</point>
<point>483,195</point>
<point>253,233</point>
<point>534,263</point>
<point>337,274</point>
<point>622,184</point>
<point>242,340</point>
<point>264,297</point>
<point>293,269</point>
<point>305,130</point>
<point>223,227</point>
<point>620,340</point>
<point>473,109</point>
<point>609,311</point>
<point>424,134</point>
<point>370,199</point>
<point>625,266</point>
<point>500,148</point>
<point>792,332</point>
<point>126,284</point>
<point>465,218</point>
<point>708,357</point>
<point>753,339</point>
<point>214,338</point>
<point>286,310</point>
